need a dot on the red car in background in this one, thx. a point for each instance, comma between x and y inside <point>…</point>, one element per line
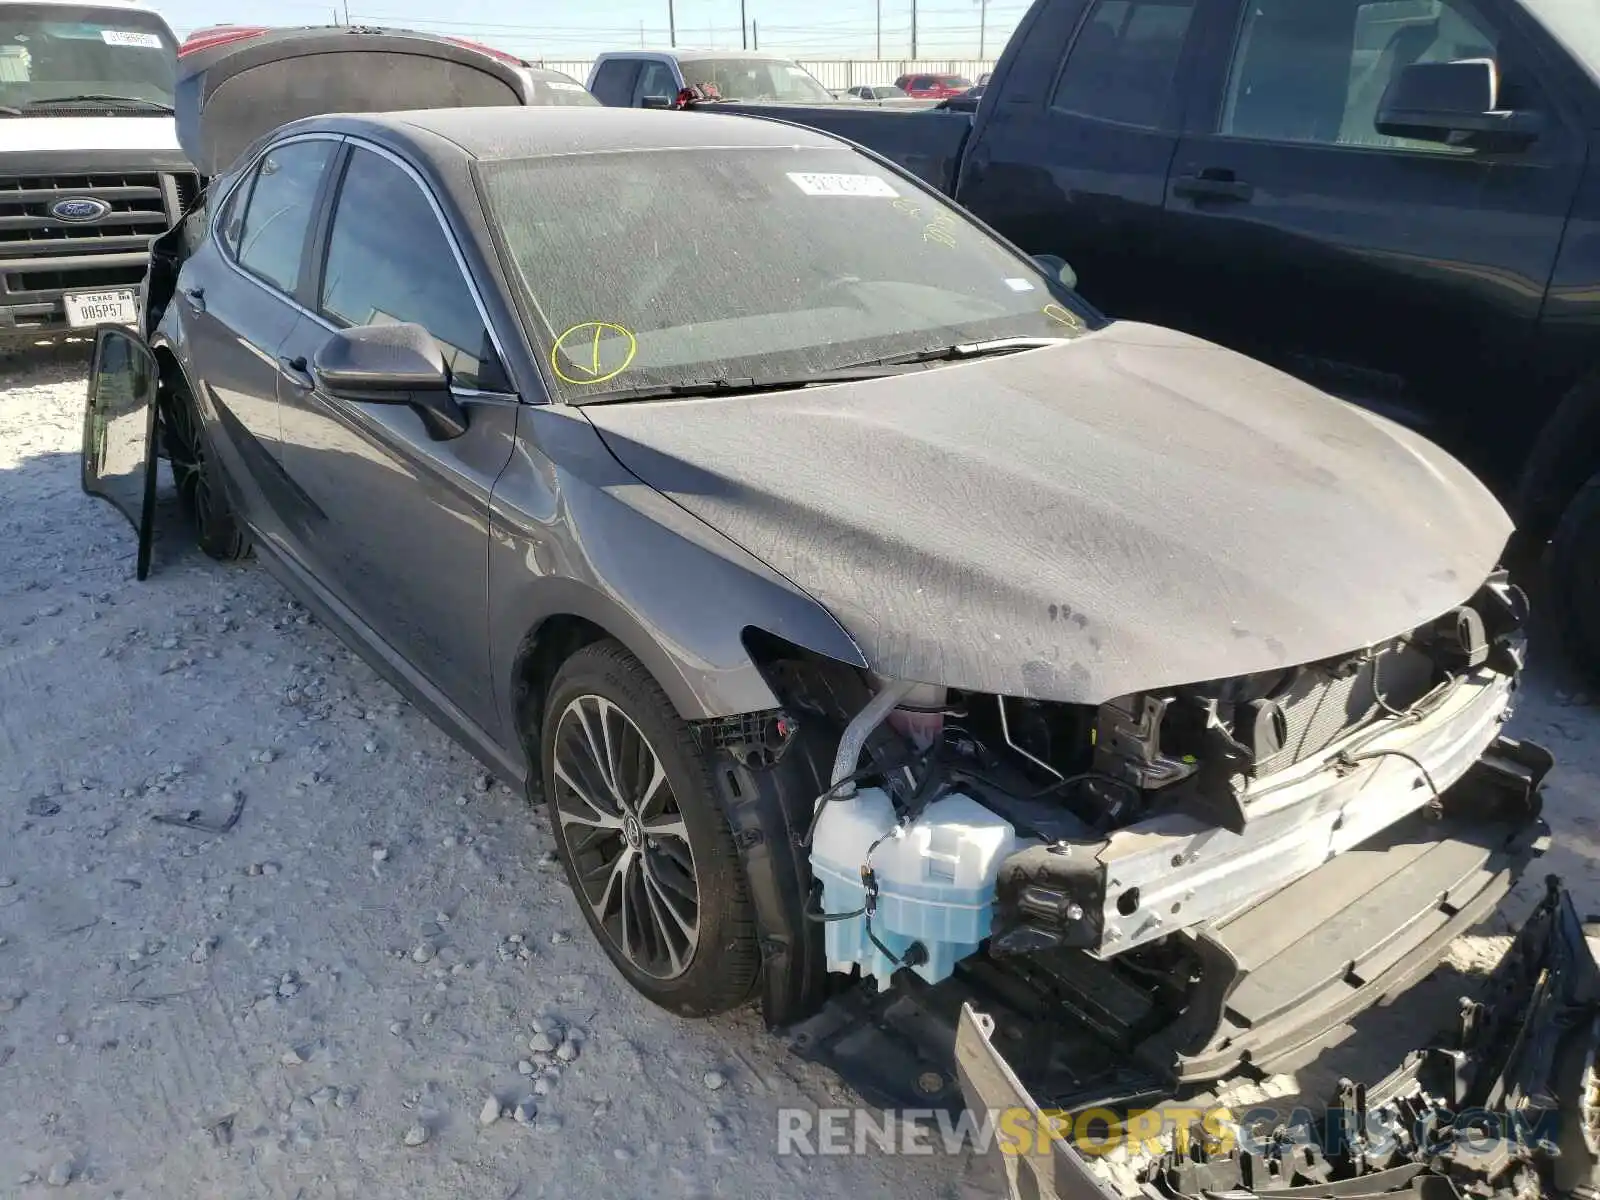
<point>933,87</point>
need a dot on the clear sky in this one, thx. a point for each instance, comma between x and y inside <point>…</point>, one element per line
<point>575,29</point>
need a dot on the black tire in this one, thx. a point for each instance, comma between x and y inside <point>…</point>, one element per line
<point>718,970</point>
<point>198,475</point>
<point>1574,578</point>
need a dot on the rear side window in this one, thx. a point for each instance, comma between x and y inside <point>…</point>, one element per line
<point>1122,65</point>
<point>389,261</point>
<point>277,216</point>
<point>613,81</point>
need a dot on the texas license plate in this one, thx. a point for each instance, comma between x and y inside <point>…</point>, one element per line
<point>87,309</point>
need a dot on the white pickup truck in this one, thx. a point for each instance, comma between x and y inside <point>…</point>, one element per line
<point>90,169</point>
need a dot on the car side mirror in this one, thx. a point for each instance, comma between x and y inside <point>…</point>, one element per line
<point>656,102</point>
<point>1058,268</point>
<point>391,364</point>
<point>1454,104</point>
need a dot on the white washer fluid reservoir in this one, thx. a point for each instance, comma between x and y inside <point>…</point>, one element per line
<point>935,879</point>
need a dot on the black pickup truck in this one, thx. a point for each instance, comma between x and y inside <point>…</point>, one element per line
<point>1393,199</point>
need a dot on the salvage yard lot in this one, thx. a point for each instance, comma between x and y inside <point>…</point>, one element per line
<point>271,1010</point>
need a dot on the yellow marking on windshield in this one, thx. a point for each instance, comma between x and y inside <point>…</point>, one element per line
<point>583,346</point>
<point>941,230</point>
<point>1062,316</point>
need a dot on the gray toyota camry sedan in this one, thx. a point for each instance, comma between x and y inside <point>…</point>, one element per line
<point>888,635</point>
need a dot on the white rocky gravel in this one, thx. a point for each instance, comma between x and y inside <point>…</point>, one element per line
<point>343,995</point>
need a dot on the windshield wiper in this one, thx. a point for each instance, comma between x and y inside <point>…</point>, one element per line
<point>880,368</point>
<point>733,387</point>
<point>137,102</point>
<point>965,350</point>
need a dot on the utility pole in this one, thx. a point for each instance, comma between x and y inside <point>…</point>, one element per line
<point>880,30</point>
<point>755,35</point>
<point>983,26</point>
<point>744,29</point>
<point>641,35</point>
<point>347,12</point>
<point>913,30</point>
<point>672,25</point>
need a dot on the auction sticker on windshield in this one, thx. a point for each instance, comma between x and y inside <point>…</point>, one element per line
<point>816,183</point>
<point>126,37</point>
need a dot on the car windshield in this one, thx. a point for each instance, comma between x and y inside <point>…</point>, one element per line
<point>754,79</point>
<point>57,52</point>
<point>955,81</point>
<point>667,268</point>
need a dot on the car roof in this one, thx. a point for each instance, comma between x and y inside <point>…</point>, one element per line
<point>531,132</point>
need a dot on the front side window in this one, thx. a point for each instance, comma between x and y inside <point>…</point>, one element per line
<point>1124,61</point>
<point>389,261</point>
<point>755,79</point>
<point>56,57</point>
<point>277,215</point>
<point>788,261</point>
<point>1305,72</point>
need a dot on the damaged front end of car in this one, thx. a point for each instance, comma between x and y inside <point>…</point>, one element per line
<point>1014,904</point>
<point>1505,1105</point>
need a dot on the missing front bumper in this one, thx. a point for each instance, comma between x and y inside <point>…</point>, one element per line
<point>1501,1107</point>
<point>1277,976</point>
<point>1178,871</point>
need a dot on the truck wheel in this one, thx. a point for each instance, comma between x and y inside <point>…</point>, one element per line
<point>645,844</point>
<point>198,474</point>
<point>1574,579</point>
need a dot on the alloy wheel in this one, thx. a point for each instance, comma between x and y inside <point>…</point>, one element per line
<point>626,837</point>
<point>190,472</point>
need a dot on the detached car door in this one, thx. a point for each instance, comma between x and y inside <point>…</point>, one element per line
<point>1364,262</point>
<point>119,428</point>
<point>397,522</point>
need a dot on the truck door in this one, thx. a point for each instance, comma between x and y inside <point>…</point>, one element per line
<point>1072,156</point>
<point>1406,274</point>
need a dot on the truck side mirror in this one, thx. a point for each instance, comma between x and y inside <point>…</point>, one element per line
<point>1454,104</point>
<point>655,102</point>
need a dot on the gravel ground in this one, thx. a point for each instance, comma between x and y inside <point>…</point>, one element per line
<point>376,984</point>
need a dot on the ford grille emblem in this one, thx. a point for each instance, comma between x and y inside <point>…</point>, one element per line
<point>79,208</point>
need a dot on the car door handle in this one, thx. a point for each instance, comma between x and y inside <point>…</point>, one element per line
<point>1212,185</point>
<point>196,297</point>
<point>296,372</point>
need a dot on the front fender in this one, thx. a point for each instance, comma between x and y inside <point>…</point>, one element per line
<point>573,533</point>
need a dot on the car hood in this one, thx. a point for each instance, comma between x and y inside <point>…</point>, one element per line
<point>1134,509</point>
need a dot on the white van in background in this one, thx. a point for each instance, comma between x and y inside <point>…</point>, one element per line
<point>90,169</point>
